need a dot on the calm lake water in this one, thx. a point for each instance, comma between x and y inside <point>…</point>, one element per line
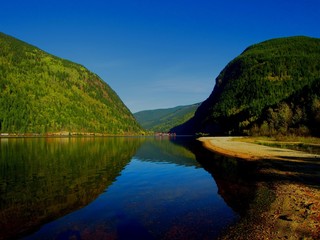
<point>117,188</point>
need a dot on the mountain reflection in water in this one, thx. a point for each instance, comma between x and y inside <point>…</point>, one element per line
<point>117,188</point>
<point>235,178</point>
<point>45,178</point>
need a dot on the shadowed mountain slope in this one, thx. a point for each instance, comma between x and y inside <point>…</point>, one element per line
<point>259,89</point>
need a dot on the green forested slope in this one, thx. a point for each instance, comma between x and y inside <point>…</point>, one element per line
<point>162,120</point>
<point>261,77</point>
<point>40,93</point>
<point>299,114</point>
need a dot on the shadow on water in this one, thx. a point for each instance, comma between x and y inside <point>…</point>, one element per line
<point>236,179</point>
<point>280,189</point>
<point>239,181</point>
<point>42,179</point>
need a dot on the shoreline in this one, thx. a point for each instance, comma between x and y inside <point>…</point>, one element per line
<point>233,147</point>
<point>290,176</point>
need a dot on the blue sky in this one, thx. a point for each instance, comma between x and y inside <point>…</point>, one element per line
<point>156,54</point>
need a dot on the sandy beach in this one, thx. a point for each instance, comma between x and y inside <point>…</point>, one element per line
<point>232,146</point>
<point>292,177</point>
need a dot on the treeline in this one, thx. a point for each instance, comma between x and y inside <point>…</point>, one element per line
<point>297,115</point>
<point>41,93</point>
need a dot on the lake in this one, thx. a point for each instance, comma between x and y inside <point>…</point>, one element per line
<point>118,188</point>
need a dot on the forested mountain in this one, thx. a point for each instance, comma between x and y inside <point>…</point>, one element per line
<point>271,88</point>
<point>162,120</point>
<point>41,93</point>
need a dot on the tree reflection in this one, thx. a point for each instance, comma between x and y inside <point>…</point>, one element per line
<point>42,179</point>
<point>236,179</point>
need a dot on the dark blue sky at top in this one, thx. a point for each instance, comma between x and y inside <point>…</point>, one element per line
<point>156,54</point>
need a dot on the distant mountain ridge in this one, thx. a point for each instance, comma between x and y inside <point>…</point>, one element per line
<point>270,89</point>
<point>41,93</point>
<point>162,120</point>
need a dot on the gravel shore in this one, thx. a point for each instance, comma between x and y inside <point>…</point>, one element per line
<point>291,177</point>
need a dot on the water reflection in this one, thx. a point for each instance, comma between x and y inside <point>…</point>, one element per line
<point>162,150</point>
<point>45,178</point>
<point>119,188</point>
<point>236,179</point>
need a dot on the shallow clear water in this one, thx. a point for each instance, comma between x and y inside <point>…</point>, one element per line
<point>112,188</point>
